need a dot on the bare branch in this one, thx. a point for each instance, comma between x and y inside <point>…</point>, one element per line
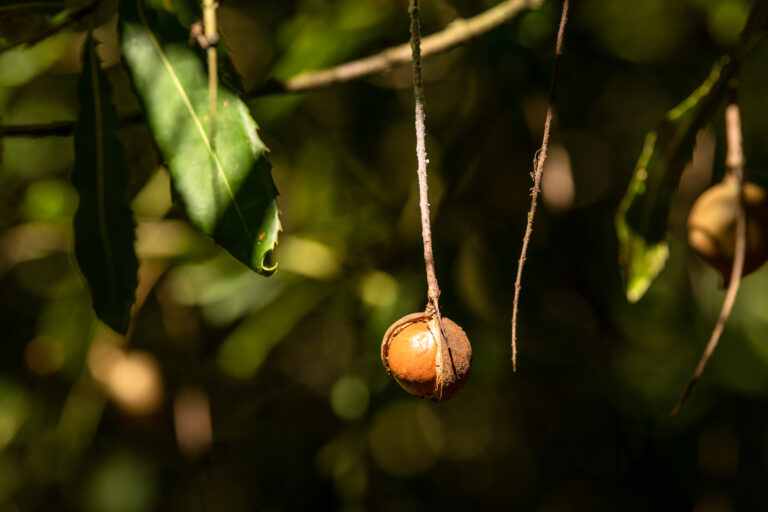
<point>541,156</point>
<point>459,31</point>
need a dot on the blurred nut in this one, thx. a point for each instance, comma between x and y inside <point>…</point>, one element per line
<point>712,226</point>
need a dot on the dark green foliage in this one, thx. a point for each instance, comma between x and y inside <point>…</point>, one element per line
<point>103,222</point>
<point>641,222</point>
<point>303,414</point>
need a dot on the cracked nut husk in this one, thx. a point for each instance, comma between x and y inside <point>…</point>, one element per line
<point>422,360</point>
<point>712,226</point>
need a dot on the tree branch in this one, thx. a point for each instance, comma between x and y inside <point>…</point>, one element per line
<point>459,31</point>
<point>538,161</point>
<point>421,155</point>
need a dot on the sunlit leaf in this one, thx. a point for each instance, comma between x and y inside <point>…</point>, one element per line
<point>641,221</point>
<point>225,185</point>
<point>103,221</point>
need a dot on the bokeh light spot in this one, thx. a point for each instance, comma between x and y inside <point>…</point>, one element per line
<point>349,398</point>
<point>406,438</point>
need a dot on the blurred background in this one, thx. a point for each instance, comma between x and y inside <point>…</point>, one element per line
<point>237,392</point>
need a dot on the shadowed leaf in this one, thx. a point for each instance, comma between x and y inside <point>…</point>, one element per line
<point>103,222</point>
<point>225,185</point>
<point>641,221</point>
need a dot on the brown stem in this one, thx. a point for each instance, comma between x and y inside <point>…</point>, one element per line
<point>457,32</point>
<point>538,161</point>
<point>446,363</point>
<point>421,155</point>
<point>734,162</point>
<point>209,24</point>
<point>73,18</point>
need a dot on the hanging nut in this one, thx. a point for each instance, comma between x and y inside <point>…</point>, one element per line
<point>424,359</point>
<point>712,226</point>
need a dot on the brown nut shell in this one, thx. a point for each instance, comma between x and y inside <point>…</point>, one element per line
<point>422,360</point>
<point>712,226</point>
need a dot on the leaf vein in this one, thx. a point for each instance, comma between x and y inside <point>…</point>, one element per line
<point>196,119</point>
<point>100,167</point>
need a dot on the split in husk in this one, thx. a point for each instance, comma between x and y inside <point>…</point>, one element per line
<point>424,359</point>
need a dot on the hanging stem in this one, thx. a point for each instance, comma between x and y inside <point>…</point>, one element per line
<point>734,162</point>
<point>433,292</point>
<point>445,361</point>
<point>538,164</point>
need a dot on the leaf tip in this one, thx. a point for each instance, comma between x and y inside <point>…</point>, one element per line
<point>267,265</point>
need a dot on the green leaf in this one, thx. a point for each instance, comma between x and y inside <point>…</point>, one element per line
<point>103,221</point>
<point>188,12</point>
<point>224,185</point>
<point>641,221</point>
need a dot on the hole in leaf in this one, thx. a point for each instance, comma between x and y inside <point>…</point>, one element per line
<point>268,263</point>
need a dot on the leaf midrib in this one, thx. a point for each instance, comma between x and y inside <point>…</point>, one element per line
<point>193,114</point>
<point>100,166</point>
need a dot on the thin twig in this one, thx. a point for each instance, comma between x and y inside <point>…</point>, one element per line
<point>538,161</point>
<point>73,18</point>
<point>53,129</point>
<point>734,162</point>
<point>211,35</point>
<point>457,32</point>
<point>421,154</point>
